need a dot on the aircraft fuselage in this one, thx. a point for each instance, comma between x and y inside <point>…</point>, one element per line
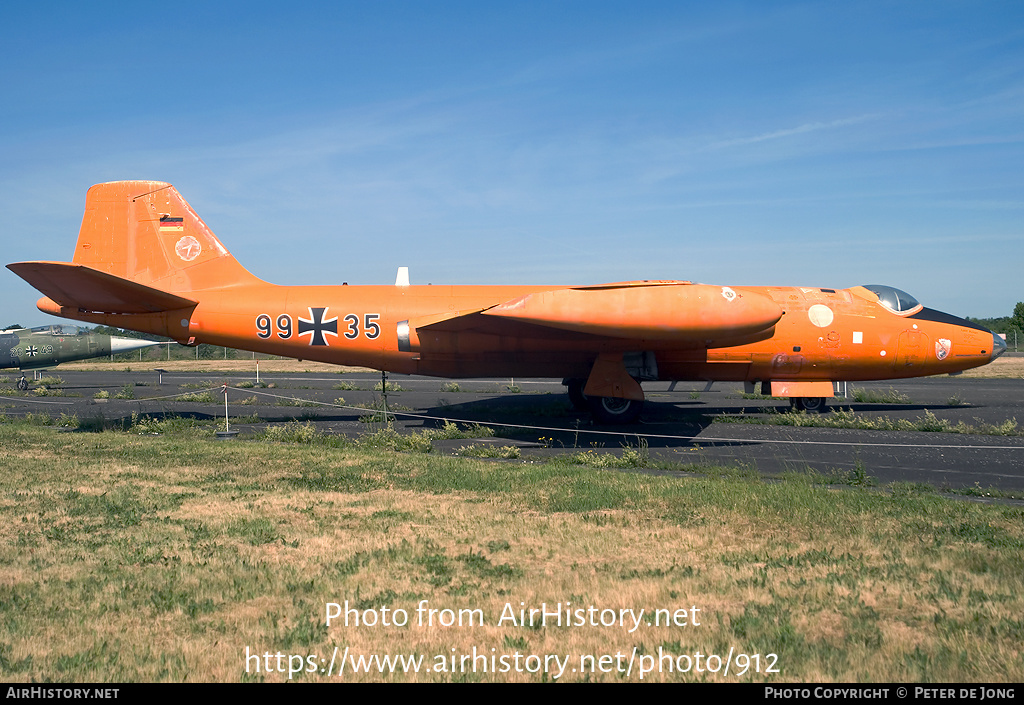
<point>823,334</point>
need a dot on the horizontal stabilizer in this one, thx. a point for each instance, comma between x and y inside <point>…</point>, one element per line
<point>75,286</point>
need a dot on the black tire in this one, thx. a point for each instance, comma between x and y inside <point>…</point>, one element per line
<point>23,384</point>
<point>613,410</point>
<point>577,398</point>
<point>812,405</point>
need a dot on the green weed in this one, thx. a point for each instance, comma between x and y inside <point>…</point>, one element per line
<point>200,398</point>
<point>872,396</point>
<point>486,450</point>
<point>844,418</point>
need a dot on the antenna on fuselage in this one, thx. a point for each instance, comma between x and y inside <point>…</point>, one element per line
<point>402,279</point>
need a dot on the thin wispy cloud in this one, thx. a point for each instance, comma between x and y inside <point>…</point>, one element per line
<point>803,129</point>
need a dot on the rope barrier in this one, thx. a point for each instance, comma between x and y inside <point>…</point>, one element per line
<point>694,440</point>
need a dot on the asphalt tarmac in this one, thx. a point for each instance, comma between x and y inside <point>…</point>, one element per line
<point>687,422</point>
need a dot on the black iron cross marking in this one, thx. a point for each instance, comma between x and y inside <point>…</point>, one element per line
<point>31,350</point>
<point>316,326</point>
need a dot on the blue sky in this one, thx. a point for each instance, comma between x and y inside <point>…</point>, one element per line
<point>815,144</point>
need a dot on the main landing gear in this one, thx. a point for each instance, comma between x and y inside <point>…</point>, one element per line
<point>605,410</point>
<point>612,410</point>
<point>612,392</point>
<point>812,405</point>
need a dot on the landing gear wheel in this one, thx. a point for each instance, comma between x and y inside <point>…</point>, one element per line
<point>612,410</point>
<point>812,405</point>
<point>577,398</point>
<point>23,384</point>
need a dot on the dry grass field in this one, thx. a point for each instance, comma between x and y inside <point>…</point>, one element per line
<point>1005,366</point>
<point>158,554</point>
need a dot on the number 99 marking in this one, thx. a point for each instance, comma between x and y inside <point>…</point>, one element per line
<point>284,326</point>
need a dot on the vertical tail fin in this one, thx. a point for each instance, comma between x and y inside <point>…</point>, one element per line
<point>146,232</point>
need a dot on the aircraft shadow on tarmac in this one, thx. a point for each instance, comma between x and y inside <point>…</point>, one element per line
<point>548,419</point>
<point>553,421</point>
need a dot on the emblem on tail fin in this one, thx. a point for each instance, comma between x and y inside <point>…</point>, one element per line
<point>188,248</point>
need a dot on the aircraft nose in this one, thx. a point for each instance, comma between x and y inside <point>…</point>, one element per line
<point>998,346</point>
<point>120,345</point>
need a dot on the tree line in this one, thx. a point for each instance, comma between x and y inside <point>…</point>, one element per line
<point>1011,326</point>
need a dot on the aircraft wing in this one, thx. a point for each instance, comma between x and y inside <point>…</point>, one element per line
<point>704,315</point>
<point>77,286</point>
<point>647,310</point>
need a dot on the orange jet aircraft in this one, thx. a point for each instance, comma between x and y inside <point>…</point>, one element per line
<point>145,261</point>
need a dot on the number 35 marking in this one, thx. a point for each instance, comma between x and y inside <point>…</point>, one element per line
<point>371,329</point>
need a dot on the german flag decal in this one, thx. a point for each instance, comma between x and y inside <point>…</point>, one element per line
<point>170,224</point>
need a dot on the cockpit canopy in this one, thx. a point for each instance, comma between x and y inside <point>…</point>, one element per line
<point>894,299</point>
<point>60,329</point>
